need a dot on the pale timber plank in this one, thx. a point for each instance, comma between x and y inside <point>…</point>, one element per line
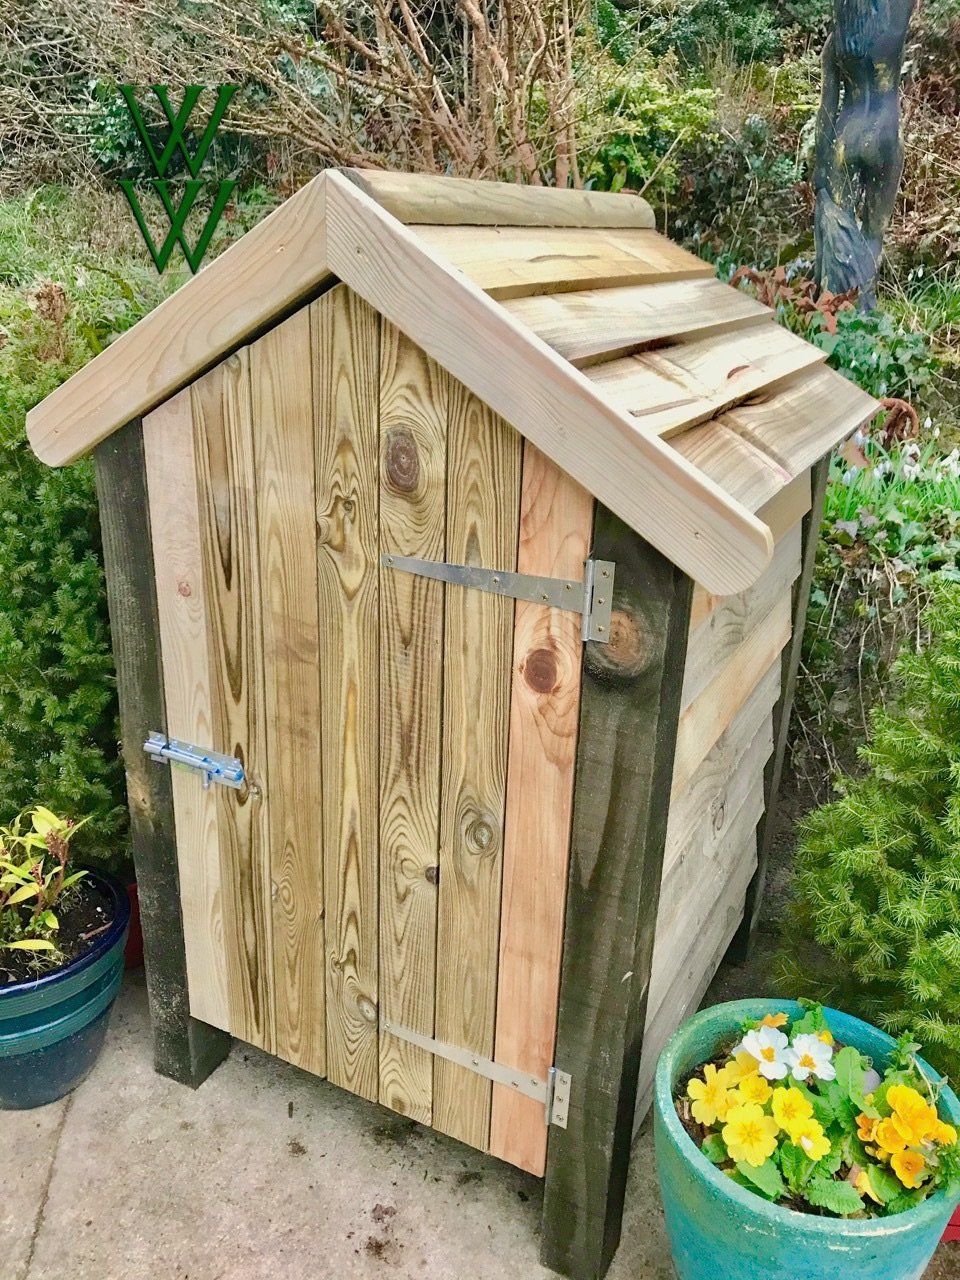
<point>714,640</point>
<point>512,262</point>
<point>589,325</point>
<point>483,498</point>
<point>431,199</point>
<point>674,387</point>
<point>226,472</point>
<point>413,427</point>
<point>741,469</point>
<point>701,812</point>
<point>556,522</point>
<point>639,477</point>
<point>282,391</point>
<point>703,721</point>
<point>280,261</point>
<point>345,334</point>
<point>178,565</point>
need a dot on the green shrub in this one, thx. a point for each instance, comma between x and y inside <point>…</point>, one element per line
<point>878,870</point>
<point>878,354</point>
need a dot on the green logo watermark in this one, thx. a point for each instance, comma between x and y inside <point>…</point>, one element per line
<point>191,188</point>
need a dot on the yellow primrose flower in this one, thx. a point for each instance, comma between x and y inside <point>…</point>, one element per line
<point>866,1128</point>
<point>753,1089</point>
<point>865,1186</point>
<point>740,1067</point>
<point>811,1139</point>
<point>908,1166</point>
<point>774,1020</point>
<point>750,1135</point>
<point>914,1118</point>
<point>710,1098</point>
<point>945,1134</point>
<point>888,1136</point>
<point>790,1108</point>
<point>826,1037</point>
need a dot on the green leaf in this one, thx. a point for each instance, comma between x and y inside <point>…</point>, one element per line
<point>907,1200</point>
<point>30,944</point>
<point>715,1149</point>
<point>886,1185</point>
<point>44,821</point>
<point>851,1073</point>
<point>72,879</point>
<point>765,1179</point>
<point>795,1165</point>
<point>21,895</point>
<point>838,1197</point>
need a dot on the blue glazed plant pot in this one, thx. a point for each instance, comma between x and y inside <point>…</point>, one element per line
<point>717,1228</point>
<point>52,1028</point>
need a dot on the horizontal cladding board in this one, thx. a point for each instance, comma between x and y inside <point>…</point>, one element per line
<point>509,262</point>
<point>674,387</point>
<point>426,198</point>
<point>588,325</point>
<point>714,640</point>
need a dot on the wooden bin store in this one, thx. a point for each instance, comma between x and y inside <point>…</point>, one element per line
<point>455,534</point>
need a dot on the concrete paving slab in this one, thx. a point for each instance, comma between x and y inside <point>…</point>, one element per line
<point>267,1172</point>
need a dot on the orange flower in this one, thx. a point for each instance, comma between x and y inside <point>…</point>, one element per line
<point>908,1165</point>
<point>915,1119</point>
<point>866,1128</point>
<point>889,1137</point>
<point>774,1020</point>
<point>945,1134</point>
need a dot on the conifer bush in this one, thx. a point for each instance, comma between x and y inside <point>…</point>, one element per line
<point>878,870</point>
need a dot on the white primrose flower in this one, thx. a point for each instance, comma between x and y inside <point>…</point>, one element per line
<point>808,1055</point>
<point>768,1046</point>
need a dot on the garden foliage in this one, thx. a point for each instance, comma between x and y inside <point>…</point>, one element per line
<point>878,869</point>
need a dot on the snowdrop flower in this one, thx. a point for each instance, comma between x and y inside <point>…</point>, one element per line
<point>768,1046</point>
<point>808,1055</point>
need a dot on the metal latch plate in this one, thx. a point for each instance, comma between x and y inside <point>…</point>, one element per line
<point>592,598</point>
<point>227,770</point>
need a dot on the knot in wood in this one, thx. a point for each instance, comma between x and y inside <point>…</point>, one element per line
<point>628,651</point>
<point>541,670</point>
<point>432,874</point>
<point>719,815</point>
<point>367,1009</point>
<point>184,588</point>
<point>402,461</point>
<point>479,837</point>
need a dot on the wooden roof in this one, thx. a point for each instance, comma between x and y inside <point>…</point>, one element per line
<point>678,401</point>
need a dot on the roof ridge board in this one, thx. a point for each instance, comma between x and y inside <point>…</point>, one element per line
<point>407,197</point>
<point>683,513</point>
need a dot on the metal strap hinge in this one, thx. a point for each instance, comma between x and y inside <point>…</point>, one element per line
<point>226,770</point>
<point>553,1093</point>
<point>592,598</point>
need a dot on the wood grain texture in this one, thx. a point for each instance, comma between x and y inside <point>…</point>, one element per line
<point>483,498</point>
<point>265,273</point>
<point>426,198</point>
<point>183,1047</point>
<point>414,396</point>
<point>741,469</point>
<point>713,642</point>
<point>514,262</point>
<point>345,335</point>
<point>283,457</point>
<point>674,387</point>
<point>556,524</point>
<point>704,720</point>
<point>169,453</point>
<point>223,442</point>
<point>589,325</point>
<point>640,477</point>
<point>628,722</point>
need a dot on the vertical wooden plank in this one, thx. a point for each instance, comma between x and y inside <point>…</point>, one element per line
<point>483,490</point>
<point>226,480</point>
<point>556,519</point>
<point>184,1048</point>
<point>282,401</point>
<point>628,725</point>
<point>746,935</point>
<point>168,442</point>
<point>413,408</point>
<point>345,335</point>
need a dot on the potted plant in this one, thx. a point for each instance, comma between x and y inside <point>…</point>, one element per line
<point>797,1141</point>
<point>62,935</point>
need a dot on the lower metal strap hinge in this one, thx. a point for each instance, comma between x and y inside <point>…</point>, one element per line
<point>553,1093</point>
<point>592,598</point>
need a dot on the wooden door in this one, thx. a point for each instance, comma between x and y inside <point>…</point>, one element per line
<point>398,852</point>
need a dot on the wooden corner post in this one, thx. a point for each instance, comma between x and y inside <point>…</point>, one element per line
<point>628,728</point>
<point>745,937</point>
<point>184,1048</point>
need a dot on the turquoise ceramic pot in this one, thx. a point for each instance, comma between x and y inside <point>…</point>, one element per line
<point>718,1229</point>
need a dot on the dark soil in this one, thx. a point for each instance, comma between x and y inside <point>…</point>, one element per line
<point>84,917</point>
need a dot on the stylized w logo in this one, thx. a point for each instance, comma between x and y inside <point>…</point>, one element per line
<point>178,122</point>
